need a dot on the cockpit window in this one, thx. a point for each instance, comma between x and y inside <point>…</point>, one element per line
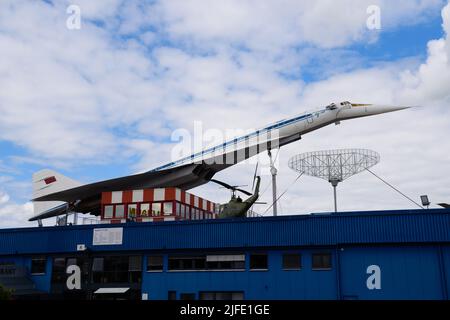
<point>331,106</point>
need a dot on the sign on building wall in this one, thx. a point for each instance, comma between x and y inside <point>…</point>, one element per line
<point>107,236</point>
<point>374,280</point>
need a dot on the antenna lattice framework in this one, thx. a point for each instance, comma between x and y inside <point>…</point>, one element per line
<point>334,165</point>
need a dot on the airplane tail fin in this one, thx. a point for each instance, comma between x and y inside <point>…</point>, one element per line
<point>46,182</point>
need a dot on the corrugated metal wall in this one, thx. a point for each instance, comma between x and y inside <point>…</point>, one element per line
<point>409,273</point>
<point>412,226</point>
<point>405,272</point>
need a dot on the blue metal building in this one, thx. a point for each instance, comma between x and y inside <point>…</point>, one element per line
<point>357,255</point>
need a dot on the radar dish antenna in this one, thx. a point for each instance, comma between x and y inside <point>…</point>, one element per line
<point>334,166</point>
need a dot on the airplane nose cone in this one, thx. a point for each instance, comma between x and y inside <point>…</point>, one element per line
<point>365,110</point>
<point>379,109</point>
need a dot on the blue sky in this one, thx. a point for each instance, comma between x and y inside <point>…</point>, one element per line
<point>403,42</point>
<point>103,101</point>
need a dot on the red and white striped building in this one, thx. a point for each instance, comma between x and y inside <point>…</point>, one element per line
<point>160,204</point>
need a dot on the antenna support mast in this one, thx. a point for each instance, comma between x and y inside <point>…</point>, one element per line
<point>273,172</point>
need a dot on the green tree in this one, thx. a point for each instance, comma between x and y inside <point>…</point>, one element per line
<point>5,294</point>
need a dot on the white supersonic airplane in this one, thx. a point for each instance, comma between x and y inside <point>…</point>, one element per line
<point>55,194</point>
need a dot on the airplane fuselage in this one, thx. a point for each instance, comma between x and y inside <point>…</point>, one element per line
<point>197,169</point>
<point>276,135</point>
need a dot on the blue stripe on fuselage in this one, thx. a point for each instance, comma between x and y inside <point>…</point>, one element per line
<point>224,145</point>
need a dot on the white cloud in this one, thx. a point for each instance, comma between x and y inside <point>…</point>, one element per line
<point>431,82</point>
<point>63,91</point>
<point>96,10</point>
<point>274,26</point>
<point>13,214</point>
<point>4,198</point>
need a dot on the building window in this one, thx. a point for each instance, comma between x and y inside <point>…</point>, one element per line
<point>321,261</point>
<point>187,296</point>
<point>60,265</point>
<point>172,295</point>
<point>132,211</point>
<point>59,270</point>
<point>226,262</point>
<point>145,209</point>
<point>135,263</point>
<point>117,269</point>
<point>155,263</point>
<point>135,269</point>
<point>97,264</point>
<point>38,265</point>
<point>120,211</point>
<point>184,263</point>
<point>156,209</point>
<point>109,212</point>
<point>212,262</point>
<point>178,209</point>
<point>71,262</point>
<point>7,268</point>
<point>199,263</point>
<point>258,261</point>
<point>292,261</point>
<point>168,208</point>
<point>188,213</point>
<point>221,296</point>
<point>175,264</point>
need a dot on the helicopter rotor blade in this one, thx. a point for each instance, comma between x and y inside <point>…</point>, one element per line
<point>233,188</point>
<point>223,184</point>
<point>244,185</point>
<point>244,192</point>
